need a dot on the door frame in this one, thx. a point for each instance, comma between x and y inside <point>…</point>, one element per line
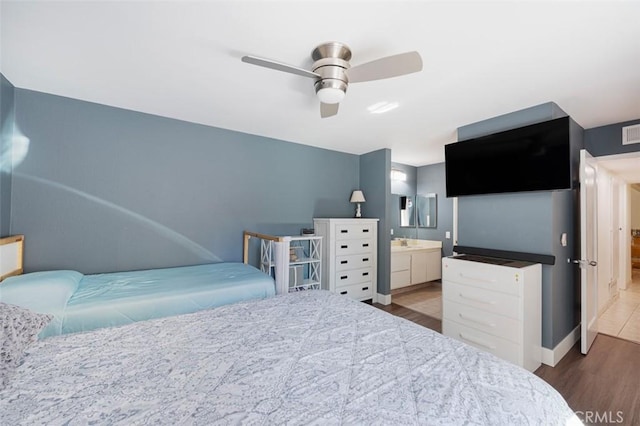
<point>624,270</point>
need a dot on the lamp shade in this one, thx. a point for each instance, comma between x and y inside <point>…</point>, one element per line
<point>357,197</point>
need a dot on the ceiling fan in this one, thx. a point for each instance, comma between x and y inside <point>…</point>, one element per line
<point>333,73</point>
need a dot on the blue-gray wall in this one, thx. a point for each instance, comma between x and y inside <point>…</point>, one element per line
<point>607,140</point>
<point>407,187</point>
<point>530,222</point>
<point>375,183</point>
<point>105,189</point>
<point>432,180</point>
<point>402,188</point>
<point>420,181</point>
<point>7,94</point>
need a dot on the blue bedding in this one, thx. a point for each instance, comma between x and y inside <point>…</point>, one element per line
<point>105,300</point>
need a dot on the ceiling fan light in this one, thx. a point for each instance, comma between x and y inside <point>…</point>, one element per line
<point>330,95</point>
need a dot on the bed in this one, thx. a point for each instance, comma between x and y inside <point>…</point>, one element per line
<point>310,357</point>
<point>85,302</point>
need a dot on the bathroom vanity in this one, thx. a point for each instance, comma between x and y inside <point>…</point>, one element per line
<point>415,262</point>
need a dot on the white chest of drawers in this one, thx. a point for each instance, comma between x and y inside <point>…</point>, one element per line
<point>494,308</point>
<point>350,256</point>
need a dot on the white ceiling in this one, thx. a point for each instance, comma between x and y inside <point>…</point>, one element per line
<point>481,59</point>
<point>624,166</point>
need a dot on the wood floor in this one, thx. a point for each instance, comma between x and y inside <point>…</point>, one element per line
<point>602,387</point>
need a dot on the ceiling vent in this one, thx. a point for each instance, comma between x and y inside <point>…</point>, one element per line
<point>631,134</point>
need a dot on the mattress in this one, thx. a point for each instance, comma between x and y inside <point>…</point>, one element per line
<point>310,357</point>
<point>85,302</point>
<point>105,300</point>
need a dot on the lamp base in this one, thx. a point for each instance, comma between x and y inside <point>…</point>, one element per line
<point>358,211</point>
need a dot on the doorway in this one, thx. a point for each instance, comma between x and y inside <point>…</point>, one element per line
<point>620,283</point>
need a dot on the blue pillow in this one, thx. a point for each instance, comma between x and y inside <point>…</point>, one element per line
<point>44,292</point>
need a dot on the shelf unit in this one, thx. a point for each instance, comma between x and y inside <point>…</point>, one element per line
<point>300,258</point>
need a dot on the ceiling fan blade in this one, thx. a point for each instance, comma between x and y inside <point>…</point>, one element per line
<point>387,67</point>
<point>279,66</point>
<point>328,110</point>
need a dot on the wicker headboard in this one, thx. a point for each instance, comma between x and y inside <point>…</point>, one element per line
<point>11,252</point>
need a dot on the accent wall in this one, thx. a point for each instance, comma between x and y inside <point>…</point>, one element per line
<point>530,222</point>
<point>607,140</point>
<point>375,168</point>
<point>105,189</point>
<point>7,100</point>
<point>432,180</point>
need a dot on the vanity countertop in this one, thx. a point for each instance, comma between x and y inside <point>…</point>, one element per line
<point>404,245</point>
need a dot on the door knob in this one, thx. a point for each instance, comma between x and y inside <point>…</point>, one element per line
<point>583,263</point>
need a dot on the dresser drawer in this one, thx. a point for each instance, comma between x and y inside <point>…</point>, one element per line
<point>353,247</point>
<point>493,277</point>
<point>353,231</point>
<point>500,347</point>
<point>496,325</point>
<point>479,298</point>
<point>361,291</point>
<point>353,261</point>
<point>344,278</point>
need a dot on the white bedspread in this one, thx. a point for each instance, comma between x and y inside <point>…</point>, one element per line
<point>305,358</point>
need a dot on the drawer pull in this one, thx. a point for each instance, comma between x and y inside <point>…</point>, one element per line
<point>344,277</point>
<point>344,246</point>
<point>344,231</point>
<point>483,280</point>
<point>476,299</point>
<point>365,288</point>
<point>365,245</point>
<point>477,320</point>
<point>365,259</point>
<point>344,262</point>
<point>476,341</point>
<point>343,292</point>
<point>364,274</point>
<point>365,230</point>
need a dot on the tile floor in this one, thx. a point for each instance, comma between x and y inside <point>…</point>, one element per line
<point>426,300</point>
<point>622,318</point>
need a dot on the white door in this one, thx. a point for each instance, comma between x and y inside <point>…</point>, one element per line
<point>588,251</point>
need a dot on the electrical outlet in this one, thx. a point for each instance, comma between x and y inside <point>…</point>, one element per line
<point>447,235</point>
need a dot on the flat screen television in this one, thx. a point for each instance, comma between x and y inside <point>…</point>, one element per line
<point>530,158</point>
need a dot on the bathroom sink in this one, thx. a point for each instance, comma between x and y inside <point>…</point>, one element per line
<point>410,245</point>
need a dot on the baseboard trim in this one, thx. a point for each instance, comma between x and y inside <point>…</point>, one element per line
<point>383,299</point>
<point>553,356</point>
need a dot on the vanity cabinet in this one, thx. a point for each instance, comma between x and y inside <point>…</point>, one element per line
<point>496,308</point>
<point>350,256</point>
<point>400,270</point>
<point>414,266</point>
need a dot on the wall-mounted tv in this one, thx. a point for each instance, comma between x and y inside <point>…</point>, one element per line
<point>530,158</point>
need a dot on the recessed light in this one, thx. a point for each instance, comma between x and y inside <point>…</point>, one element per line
<point>382,107</point>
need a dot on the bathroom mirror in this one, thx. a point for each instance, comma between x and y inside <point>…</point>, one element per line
<point>407,211</point>
<point>426,210</point>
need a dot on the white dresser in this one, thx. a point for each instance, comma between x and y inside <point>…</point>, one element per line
<point>349,256</point>
<point>494,307</point>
